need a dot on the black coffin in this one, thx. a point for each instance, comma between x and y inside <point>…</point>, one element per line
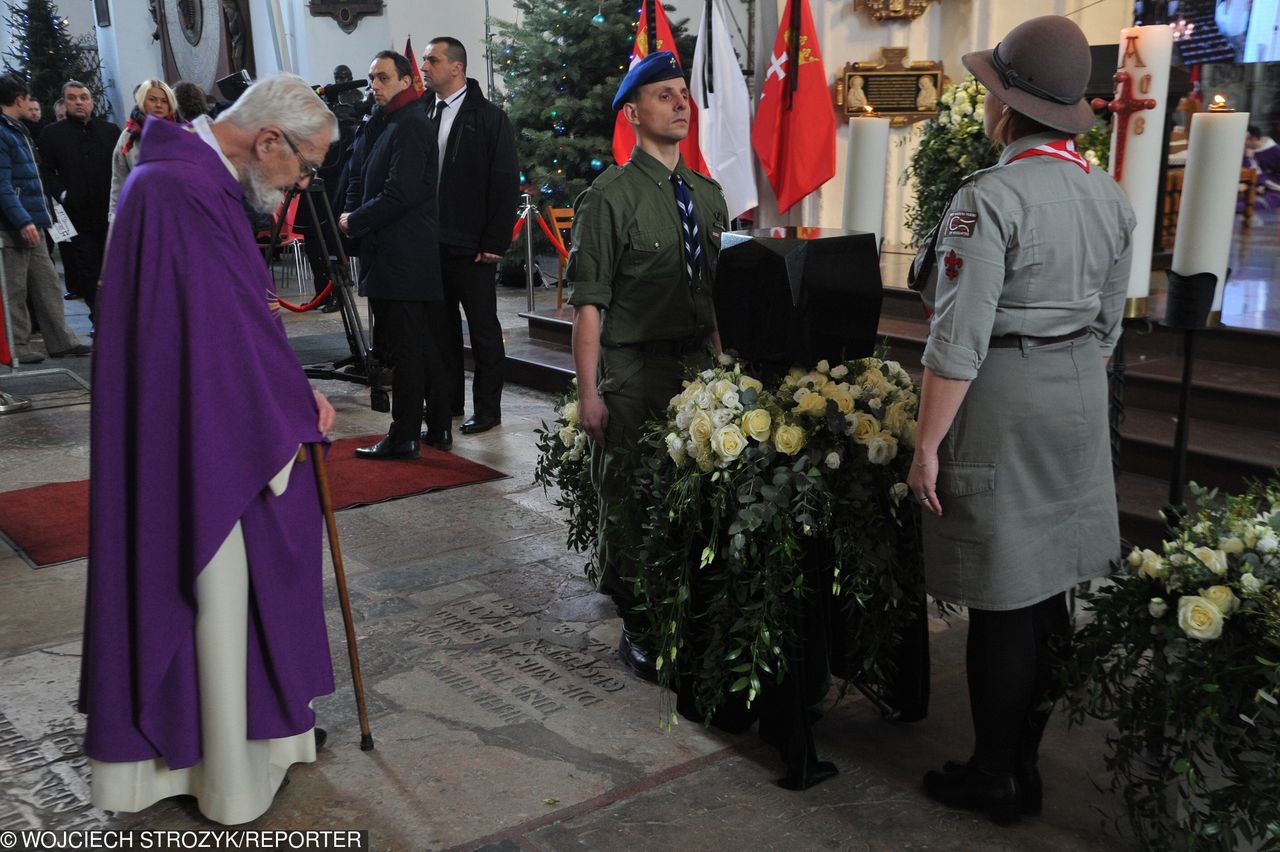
<point>794,296</point>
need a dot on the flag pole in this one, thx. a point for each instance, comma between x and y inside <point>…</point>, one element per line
<point>708,66</point>
<point>651,22</point>
<point>793,52</point>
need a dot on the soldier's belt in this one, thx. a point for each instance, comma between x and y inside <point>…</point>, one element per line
<point>1023,341</point>
<point>666,348</point>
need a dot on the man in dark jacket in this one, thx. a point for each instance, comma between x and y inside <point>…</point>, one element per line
<point>76,154</point>
<point>24,216</point>
<point>391,208</point>
<point>479,186</point>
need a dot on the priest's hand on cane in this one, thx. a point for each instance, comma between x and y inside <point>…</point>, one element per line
<point>327,416</point>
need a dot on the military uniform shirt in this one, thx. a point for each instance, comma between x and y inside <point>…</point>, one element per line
<point>628,253</point>
<point>1037,247</point>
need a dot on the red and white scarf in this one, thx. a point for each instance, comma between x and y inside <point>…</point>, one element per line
<point>1062,149</point>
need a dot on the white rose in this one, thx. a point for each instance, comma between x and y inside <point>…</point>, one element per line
<point>684,417</point>
<point>1135,558</point>
<point>725,359</point>
<point>728,442</point>
<point>721,417</point>
<point>757,424</point>
<point>979,114</point>
<point>824,366</point>
<point>1250,584</point>
<point>675,448</point>
<point>1222,597</point>
<point>1199,618</point>
<point>702,399</point>
<point>748,383</point>
<point>899,490</point>
<point>839,371</point>
<point>948,96</point>
<point>882,448</point>
<point>570,413</point>
<point>1267,543</point>
<point>874,403</point>
<point>730,400</point>
<point>700,428</point>
<point>1157,607</point>
<point>1152,565</point>
<point>832,460</point>
<point>1214,560</point>
<point>567,434</point>
<point>1231,544</point>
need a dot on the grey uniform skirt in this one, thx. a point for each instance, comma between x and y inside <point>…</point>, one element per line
<point>1025,481</point>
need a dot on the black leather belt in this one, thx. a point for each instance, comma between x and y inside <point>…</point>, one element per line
<point>667,348</point>
<point>1020,341</point>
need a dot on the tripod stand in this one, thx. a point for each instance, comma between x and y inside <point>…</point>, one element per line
<point>361,366</point>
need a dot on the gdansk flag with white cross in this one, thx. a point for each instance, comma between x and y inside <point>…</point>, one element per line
<point>794,133</point>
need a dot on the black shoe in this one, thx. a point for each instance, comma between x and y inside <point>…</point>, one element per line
<point>330,306</point>
<point>30,358</point>
<point>322,737</point>
<point>478,423</point>
<point>1030,785</point>
<point>975,789</point>
<point>77,350</point>
<point>636,658</point>
<point>440,439</point>
<point>389,449</point>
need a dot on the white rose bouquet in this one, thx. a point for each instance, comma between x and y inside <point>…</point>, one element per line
<point>564,461</point>
<point>1184,645</point>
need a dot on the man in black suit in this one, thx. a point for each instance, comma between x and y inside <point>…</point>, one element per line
<point>75,154</point>
<point>391,209</point>
<point>479,187</point>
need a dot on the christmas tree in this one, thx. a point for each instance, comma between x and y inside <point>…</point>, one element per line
<point>45,53</point>
<point>560,66</point>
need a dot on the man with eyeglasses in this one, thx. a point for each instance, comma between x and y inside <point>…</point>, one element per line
<point>205,639</point>
<point>391,210</point>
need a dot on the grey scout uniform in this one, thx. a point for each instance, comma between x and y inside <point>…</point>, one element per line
<point>628,260</point>
<point>1041,249</point>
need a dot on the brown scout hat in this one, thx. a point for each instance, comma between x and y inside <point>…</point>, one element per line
<point>1040,69</point>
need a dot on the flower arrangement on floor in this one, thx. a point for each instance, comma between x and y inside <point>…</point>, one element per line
<point>1183,654</point>
<point>564,460</point>
<point>735,489</point>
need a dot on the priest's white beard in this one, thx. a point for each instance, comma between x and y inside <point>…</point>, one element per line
<point>258,191</point>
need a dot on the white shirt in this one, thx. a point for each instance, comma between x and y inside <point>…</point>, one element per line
<point>452,104</point>
<point>204,129</point>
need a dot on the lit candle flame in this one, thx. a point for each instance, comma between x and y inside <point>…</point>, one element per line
<point>1219,104</point>
<point>868,111</point>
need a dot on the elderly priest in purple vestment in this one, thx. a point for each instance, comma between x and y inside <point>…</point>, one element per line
<point>204,636</point>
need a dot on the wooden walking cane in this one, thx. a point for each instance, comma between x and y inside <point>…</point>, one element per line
<point>340,577</point>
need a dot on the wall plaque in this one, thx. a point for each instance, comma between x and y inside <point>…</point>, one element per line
<point>346,12</point>
<point>902,92</point>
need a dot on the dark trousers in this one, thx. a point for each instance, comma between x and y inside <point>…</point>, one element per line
<point>1012,661</point>
<point>408,336</point>
<point>87,248</point>
<point>473,286</point>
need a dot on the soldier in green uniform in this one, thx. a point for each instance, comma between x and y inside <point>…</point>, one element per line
<point>645,239</point>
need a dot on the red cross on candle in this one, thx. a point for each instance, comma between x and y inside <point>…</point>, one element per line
<point>1123,106</point>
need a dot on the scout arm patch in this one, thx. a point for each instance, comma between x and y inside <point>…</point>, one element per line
<point>959,223</point>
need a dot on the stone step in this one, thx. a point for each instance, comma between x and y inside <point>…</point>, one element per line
<point>1218,454</point>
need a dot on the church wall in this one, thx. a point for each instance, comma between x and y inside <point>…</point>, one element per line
<point>128,53</point>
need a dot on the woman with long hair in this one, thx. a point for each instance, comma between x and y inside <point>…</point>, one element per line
<point>151,98</point>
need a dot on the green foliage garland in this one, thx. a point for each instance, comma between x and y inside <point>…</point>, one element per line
<point>1183,655</point>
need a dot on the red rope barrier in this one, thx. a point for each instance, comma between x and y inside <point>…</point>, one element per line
<point>554,237</point>
<point>515,232</point>
<point>309,306</point>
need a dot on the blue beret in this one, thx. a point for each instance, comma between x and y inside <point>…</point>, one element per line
<point>660,65</point>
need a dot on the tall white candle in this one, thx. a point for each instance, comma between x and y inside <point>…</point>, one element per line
<point>1207,212</point>
<point>1137,141</point>
<point>866,169</point>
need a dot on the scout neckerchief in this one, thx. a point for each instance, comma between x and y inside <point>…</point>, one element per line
<point>689,228</point>
<point>1060,149</point>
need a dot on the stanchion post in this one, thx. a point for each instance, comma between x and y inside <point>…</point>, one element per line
<point>527,212</point>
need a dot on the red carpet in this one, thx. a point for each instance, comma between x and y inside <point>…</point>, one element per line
<point>49,524</point>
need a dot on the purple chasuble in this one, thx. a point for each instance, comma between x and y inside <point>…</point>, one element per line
<point>198,401</point>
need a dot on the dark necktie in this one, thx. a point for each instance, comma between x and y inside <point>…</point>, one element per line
<point>689,225</point>
<point>439,111</point>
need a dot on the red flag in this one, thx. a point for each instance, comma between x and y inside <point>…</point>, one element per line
<point>794,134</point>
<point>413,65</point>
<point>624,136</point>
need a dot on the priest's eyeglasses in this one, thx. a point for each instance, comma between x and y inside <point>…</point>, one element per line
<point>309,171</point>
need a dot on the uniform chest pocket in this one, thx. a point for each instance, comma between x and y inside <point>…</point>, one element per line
<point>653,253</point>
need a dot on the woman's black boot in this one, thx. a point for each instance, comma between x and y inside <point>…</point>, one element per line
<point>974,789</point>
